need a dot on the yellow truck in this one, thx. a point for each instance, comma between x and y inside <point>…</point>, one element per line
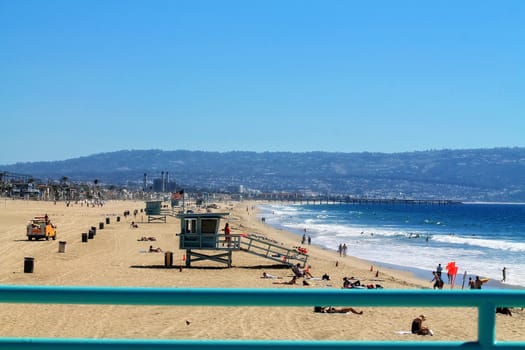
<point>41,227</point>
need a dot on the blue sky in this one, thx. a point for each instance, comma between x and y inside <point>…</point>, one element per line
<point>84,77</point>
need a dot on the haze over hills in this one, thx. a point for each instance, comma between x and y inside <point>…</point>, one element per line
<point>473,175</point>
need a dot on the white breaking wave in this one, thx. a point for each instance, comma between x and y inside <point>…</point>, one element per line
<point>479,242</point>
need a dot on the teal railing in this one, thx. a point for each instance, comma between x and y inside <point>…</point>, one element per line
<point>485,301</point>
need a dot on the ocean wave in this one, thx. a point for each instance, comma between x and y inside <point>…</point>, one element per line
<point>479,242</point>
<point>473,242</point>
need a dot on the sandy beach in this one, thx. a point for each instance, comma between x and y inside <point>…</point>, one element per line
<point>116,257</point>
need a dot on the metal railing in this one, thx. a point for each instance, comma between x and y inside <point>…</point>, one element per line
<point>485,301</point>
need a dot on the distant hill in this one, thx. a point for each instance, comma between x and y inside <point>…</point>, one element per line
<point>476,174</point>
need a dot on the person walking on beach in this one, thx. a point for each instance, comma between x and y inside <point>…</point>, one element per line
<point>309,239</point>
<point>340,249</point>
<point>438,270</point>
<point>438,282</point>
<point>344,249</point>
<point>304,239</point>
<point>504,272</point>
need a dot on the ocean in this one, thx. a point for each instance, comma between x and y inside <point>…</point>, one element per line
<point>480,238</point>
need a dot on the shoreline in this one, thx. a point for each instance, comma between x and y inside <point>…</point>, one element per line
<point>418,273</point>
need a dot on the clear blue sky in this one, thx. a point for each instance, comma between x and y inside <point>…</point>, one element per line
<point>84,77</point>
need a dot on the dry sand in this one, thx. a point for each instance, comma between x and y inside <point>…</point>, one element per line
<point>115,257</point>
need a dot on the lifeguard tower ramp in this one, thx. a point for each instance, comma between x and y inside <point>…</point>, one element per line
<point>267,249</point>
<point>201,239</point>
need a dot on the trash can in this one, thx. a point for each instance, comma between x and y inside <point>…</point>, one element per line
<point>100,225</point>
<point>62,247</point>
<point>91,235</point>
<point>118,218</point>
<point>28,264</point>
<point>168,259</point>
<point>84,237</point>
<point>94,229</point>
<point>107,221</point>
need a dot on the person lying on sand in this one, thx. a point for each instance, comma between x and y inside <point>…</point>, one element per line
<point>347,283</point>
<point>333,310</point>
<point>306,272</point>
<point>504,311</point>
<point>154,250</point>
<point>292,281</point>
<point>144,238</point>
<point>267,275</point>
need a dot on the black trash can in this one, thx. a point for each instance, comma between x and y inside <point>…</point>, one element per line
<point>62,246</point>
<point>84,237</point>
<point>28,264</point>
<point>107,221</point>
<point>100,225</point>
<point>91,235</point>
<point>94,229</point>
<point>118,218</point>
<point>168,259</point>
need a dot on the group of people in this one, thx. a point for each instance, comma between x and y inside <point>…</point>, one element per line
<point>342,249</point>
<point>298,272</point>
<point>476,283</point>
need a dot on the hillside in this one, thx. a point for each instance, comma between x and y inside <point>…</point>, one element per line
<point>476,174</point>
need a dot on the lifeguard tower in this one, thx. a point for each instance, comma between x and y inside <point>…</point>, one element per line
<point>201,239</point>
<point>154,211</point>
<point>201,232</point>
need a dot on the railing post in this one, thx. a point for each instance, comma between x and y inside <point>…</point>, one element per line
<point>487,325</point>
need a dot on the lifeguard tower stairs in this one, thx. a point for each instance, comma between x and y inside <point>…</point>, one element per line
<point>201,239</point>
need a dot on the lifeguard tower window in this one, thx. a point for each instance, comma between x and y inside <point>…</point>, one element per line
<point>209,225</point>
<point>191,225</point>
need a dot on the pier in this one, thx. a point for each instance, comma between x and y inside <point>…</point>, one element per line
<point>295,198</point>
